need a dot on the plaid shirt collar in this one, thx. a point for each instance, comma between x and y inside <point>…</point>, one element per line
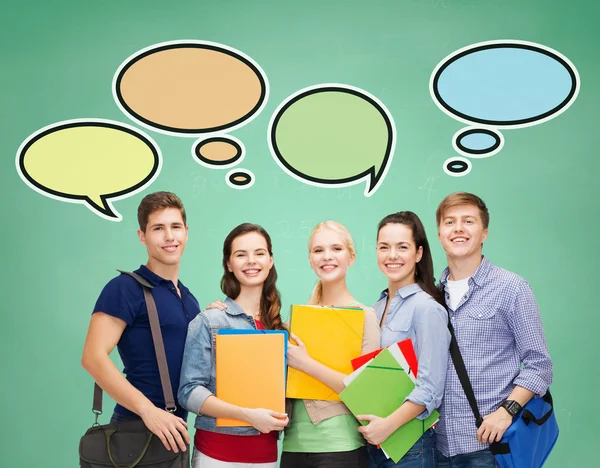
<point>479,277</point>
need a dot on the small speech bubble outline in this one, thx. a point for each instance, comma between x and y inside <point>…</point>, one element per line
<point>477,142</point>
<point>218,152</point>
<point>190,88</point>
<point>240,179</point>
<point>333,135</point>
<point>457,166</point>
<point>89,161</point>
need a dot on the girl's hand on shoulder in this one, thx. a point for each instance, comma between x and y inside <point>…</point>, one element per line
<point>297,355</point>
<point>266,420</point>
<point>218,304</point>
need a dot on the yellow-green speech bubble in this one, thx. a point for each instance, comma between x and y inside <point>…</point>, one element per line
<point>333,135</point>
<point>89,161</point>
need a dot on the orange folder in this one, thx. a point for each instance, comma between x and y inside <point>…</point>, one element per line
<point>250,372</point>
<point>333,336</point>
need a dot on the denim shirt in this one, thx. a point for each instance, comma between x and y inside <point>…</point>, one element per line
<point>198,379</point>
<point>414,314</point>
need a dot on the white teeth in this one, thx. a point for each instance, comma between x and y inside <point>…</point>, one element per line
<point>251,272</point>
<point>328,267</point>
<point>171,248</point>
<point>393,266</point>
<point>460,240</point>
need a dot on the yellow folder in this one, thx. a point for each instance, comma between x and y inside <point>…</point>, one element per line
<point>250,372</point>
<point>333,336</point>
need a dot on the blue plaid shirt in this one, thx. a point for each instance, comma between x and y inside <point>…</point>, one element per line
<point>500,336</point>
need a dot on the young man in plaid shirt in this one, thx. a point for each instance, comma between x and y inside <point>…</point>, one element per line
<point>499,333</point>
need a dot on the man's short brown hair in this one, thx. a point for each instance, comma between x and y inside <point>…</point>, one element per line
<point>463,198</point>
<point>158,201</point>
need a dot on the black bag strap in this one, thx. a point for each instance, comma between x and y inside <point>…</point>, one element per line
<point>159,349</point>
<point>461,371</point>
<point>529,417</point>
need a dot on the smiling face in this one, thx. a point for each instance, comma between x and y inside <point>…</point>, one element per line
<point>397,254</point>
<point>165,238</point>
<point>461,232</point>
<point>329,255</point>
<point>250,261</point>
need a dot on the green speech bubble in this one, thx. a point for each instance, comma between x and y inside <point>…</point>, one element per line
<point>333,135</point>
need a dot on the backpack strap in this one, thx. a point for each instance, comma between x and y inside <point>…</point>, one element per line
<point>159,349</point>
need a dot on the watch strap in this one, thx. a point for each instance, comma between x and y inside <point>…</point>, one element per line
<point>513,407</point>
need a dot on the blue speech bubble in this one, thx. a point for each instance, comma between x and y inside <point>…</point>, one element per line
<point>477,142</point>
<point>500,84</point>
<point>509,84</point>
<point>457,166</point>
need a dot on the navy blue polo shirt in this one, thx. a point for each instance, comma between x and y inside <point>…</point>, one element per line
<point>123,297</point>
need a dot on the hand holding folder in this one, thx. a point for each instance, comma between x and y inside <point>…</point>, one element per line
<point>380,389</point>
<point>333,336</point>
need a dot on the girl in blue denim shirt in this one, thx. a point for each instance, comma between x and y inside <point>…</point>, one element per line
<point>410,307</point>
<point>252,302</point>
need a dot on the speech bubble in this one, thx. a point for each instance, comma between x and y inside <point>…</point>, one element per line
<point>477,142</point>
<point>189,88</point>
<point>457,166</point>
<point>240,179</point>
<point>333,135</point>
<point>219,152</point>
<point>89,161</point>
<point>503,84</point>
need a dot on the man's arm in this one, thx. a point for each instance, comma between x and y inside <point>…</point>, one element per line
<point>103,335</point>
<point>536,371</point>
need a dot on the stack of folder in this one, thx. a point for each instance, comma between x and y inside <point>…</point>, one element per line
<point>333,336</point>
<point>250,370</point>
<point>379,387</point>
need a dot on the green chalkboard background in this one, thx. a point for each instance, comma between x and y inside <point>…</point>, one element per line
<point>58,60</point>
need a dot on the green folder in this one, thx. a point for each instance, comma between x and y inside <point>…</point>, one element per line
<point>380,390</point>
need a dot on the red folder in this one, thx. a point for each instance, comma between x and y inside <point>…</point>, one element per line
<point>407,349</point>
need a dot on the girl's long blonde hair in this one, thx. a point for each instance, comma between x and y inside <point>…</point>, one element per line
<point>317,293</point>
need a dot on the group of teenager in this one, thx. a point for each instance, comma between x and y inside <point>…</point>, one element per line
<point>493,313</point>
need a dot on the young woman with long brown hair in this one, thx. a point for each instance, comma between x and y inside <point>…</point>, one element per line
<point>410,307</point>
<point>253,302</point>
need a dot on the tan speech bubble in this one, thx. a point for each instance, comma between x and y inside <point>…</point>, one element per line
<point>240,179</point>
<point>188,88</point>
<point>218,152</point>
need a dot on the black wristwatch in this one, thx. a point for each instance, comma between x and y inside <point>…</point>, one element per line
<point>512,407</point>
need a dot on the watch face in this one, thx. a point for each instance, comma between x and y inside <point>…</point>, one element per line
<point>512,407</point>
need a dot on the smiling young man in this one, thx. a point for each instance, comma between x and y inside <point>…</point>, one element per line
<point>120,318</point>
<point>499,333</point>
